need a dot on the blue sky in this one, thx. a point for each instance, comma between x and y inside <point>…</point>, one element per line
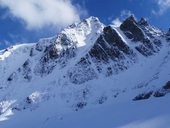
<point>29,20</point>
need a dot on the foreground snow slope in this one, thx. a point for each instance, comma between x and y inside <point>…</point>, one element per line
<point>152,113</point>
<point>86,66</point>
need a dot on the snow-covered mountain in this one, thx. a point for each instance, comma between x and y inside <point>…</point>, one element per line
<point>85,65</point>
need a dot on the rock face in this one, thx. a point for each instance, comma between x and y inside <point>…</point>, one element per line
<point>130,26</point>
<point>109,48</point>
<point>109,55</point>
<point>141,32</point>
<point>143,22</point>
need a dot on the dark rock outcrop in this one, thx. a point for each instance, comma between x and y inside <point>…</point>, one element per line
<point>26,70</point>
<point>159,93</point>
<point>168,35</point>
<point>142,33</point>
<point>167,86</point>
<point>130,25</point>
<point>110,46</point>
<point>11,77</point>
<point>80,105</point>
<point>143,22</point>
<point>143,96</point>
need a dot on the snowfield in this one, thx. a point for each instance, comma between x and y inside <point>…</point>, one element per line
<point>152,113</point>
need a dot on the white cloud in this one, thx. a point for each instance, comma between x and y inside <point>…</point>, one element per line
<point>116,22</point>
<point>123,15</point>
<point>39,13</point>
<point>163,5</point>
<point>7,43</point>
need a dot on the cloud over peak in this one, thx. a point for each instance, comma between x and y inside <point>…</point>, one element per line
<point>123,15</point>
<point>39,13</point>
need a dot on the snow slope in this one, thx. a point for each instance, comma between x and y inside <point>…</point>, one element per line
<point>140,114</point>
<point>12,58</point>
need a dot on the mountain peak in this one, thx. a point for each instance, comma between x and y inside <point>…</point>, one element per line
<point>93,18</point>
<point>168,35</point>
<point>91,21</point>
<point>131,18</point>
<point>130,25</point>
<point>143,21</point>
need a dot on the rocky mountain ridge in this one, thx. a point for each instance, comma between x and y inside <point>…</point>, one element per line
<point>87,63</point>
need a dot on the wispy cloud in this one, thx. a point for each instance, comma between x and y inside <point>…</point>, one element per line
<point>163,6</point>
<point>116,22</point>
<point>4,43</point>
<point>123,15</point>
<point>39,13</point>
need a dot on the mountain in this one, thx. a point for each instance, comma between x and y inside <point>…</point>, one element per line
<point>85,65</point>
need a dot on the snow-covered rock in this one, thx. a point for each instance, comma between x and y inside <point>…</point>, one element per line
<point>86,64</point>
